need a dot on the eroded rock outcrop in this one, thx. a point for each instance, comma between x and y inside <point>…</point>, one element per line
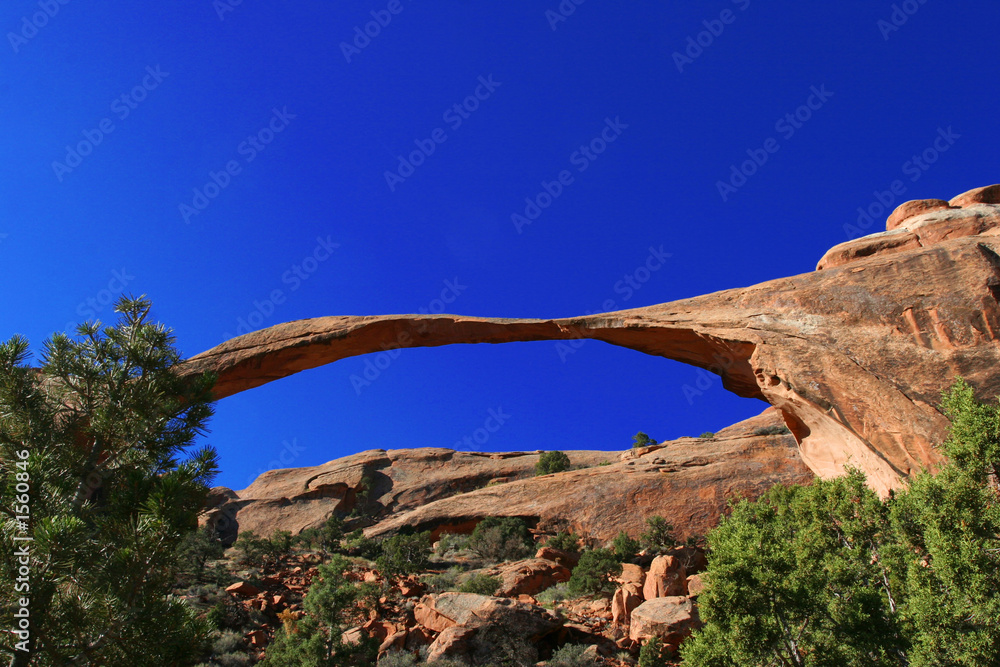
<point>687,480</point>
<point>385,482</point>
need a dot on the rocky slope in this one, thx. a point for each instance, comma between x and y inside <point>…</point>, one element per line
<point>854,355</point>
<point>441,490</point>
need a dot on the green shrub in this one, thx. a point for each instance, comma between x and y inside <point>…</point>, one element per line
<point>593,574</point>
<point>624,547</point>
<point>550,462</point>
<point>327,537</point>
<point>501,538</point>
<point>652,653</point>
<point>640,439</point>
<point>356,544</point>
<point>451,543</point>
<point>195,551</point>
<point>659,535</point>
<point>564,541</point>
<point>443,581</point>
<point>281,540</point>
<point>571,655</point>
<point>398,659</point>
<point>771,430</point>
<point>707,434</point>
<point>332,604</point>
<point>228,641</point>
<point>227,614</point>
<point>254,551</point>
<point>832,574</point>
<point>554,594</point>
<point>404,554</point>
<point>481,584</point>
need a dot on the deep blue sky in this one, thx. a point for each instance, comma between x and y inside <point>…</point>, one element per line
<point>66,230</point>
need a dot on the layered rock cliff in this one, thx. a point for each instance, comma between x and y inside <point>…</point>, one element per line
<point>688,480</point>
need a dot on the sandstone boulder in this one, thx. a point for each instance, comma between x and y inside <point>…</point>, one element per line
<point>669,618</point>
<point>909,209</point>
<point>481,624</point>
<point>453,642</point>
<point>632,574</point>
<point>989,194</point>
<point>666,577</point>
<point>243,589</point>
<point>528,577</point>
<point>567,559</point>
<point>624,601</point>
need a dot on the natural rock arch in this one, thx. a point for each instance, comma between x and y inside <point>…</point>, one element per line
<point>854,355</point>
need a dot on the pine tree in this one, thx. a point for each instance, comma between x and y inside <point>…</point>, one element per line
<point>95,435</point>
<point>830,574</point>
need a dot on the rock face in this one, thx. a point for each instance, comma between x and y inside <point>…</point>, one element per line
<point>687,480</point>
<point>854,355</point>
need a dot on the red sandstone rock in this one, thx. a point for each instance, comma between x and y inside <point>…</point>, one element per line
<point>669,618</point>
<point>528,577</point>
<point>397,640</point>
<point>565,558</point>
<point>243,589</point>
<point>410,587</point>
<point>695,480</point>
<point>430,618</point>
<point>625,599</point>
<point>450,643</point>
<point>909,209</point>
<point>989,194</point>
<point>632,574</point>
<point>695,585</point>
<point>666,577</point>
